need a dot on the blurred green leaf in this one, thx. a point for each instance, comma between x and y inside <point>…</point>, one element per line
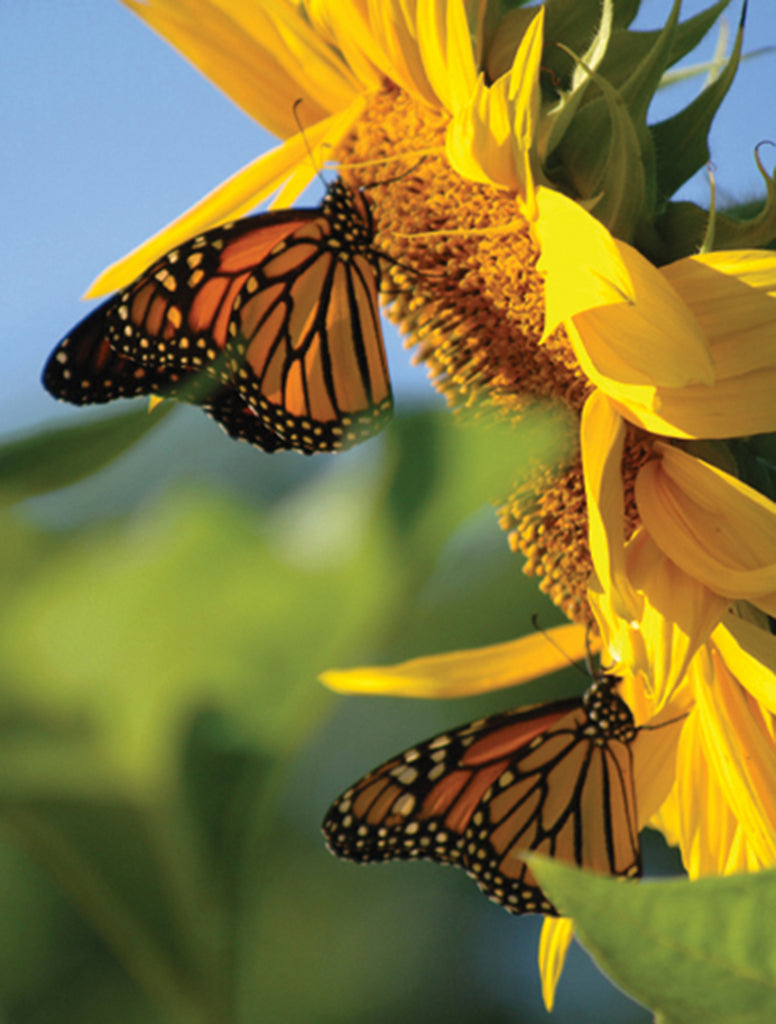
<point>755,459</point>
<point>60,456</point>
<point>160,672</point>
<point>693,951</point>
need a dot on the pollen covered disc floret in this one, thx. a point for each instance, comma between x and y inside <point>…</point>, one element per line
<point>462,282</point>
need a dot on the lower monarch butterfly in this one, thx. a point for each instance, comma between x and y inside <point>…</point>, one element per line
<point>270,324</point>
<point>555,779</point>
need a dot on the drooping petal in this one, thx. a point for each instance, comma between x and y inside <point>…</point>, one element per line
<point>696,813</point>
<point>736,407</point>
<point>677,616</point>
<point>557,933</point>
<point>233,198</point>
<point>582,263</point>
<point>714,527</point>
<point>733,297</point>
<point>602,435</point>
<point>739,745</point>
<point>654,759</point>
<point>750,652</point>
<point>466,673</point>
<point>655,340</point>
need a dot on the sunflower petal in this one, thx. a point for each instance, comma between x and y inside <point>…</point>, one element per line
<point>465,673</point>
<point>750,652</point>
<point>490,137</point>
<point>655,340</point>
<point>677,616</point>
<point>557,933</point>
<point>602,436</point>
<point>581,261</point>
<point>740,752</point>
<point>446,51</point>
<point>242,51</point>
<point>714,527</point>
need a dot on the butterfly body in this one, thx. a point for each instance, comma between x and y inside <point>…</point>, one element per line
<point>270,323</point>
<point>554,779</point>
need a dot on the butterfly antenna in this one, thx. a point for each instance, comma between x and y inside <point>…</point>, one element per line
<point>300,126</point>
<point>588,659</point>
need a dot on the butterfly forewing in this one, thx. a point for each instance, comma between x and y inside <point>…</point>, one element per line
<point>549,779</point>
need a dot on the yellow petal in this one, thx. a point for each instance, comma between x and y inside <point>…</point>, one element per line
<point>581,261</point>
<point>735,407</point>
<point>314,66</point>
<point>654,756</point>
<point>557,933</point>
<point>750,654</point>
<point>241,50</point>
<point>465,673</point>
<point>655,340</point>
<point>479,137</point>
<point>740,752</point>
<point>347,27</point>
<point>733,296</point>
<point>446,51</point>
<point>395,25</point>
<point>677,616</point>
<point>697,808</point>
<point>233,198</point>
<point>713,526</point>
<point>602,436</point>
<point>490,137</point>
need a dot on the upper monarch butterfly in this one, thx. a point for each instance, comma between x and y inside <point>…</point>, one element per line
<point>270,324</point>
<point>556,778</point>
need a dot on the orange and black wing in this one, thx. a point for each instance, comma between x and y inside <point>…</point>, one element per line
<point>555,779</point>
<point>280,309</point>
<point>84,369</point>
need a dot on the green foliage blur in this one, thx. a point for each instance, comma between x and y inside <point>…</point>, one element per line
<point>167,754</point>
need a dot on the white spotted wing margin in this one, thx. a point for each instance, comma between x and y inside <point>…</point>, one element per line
<point>555,779</point>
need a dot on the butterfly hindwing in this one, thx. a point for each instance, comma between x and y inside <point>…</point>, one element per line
<point>85,369</point>
<point>554,779</point>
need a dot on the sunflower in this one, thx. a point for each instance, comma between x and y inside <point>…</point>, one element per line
<point>521,184</point>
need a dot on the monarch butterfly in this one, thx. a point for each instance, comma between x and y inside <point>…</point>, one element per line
<point>270,324</point>
<point>556,778</point>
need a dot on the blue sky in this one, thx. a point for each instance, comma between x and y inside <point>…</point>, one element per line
<point>108,134</point>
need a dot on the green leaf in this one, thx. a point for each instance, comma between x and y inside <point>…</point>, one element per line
<point>628,49</point>
<point>735,230</point>
<point>60,456</point>
<point>681,227</point>
<point>444,471</point>
<point>692,951</point>
<point>681,142</point>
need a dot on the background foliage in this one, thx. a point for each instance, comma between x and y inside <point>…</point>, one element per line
<point>166,753</point>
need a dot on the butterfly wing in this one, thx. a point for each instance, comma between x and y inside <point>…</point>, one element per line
<point>548,779</point>
<point>280,309</point>
<point>84,369</point>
